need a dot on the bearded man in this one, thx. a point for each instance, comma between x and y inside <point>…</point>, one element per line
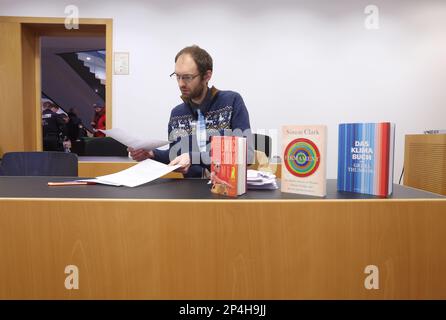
<point>204,112</point>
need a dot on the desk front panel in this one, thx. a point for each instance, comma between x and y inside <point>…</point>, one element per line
<point>192,249</point>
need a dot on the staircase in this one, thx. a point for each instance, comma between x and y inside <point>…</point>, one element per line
<point>90,66</point>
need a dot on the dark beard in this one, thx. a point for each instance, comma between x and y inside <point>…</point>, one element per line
<point>197,93</point>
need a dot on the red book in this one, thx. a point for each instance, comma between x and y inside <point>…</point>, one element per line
<point>228,165</point>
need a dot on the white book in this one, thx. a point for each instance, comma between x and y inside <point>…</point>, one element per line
<point>304,160</point>
<point>241,165</point>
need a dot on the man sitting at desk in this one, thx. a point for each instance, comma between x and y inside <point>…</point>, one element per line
<point>204,112</point>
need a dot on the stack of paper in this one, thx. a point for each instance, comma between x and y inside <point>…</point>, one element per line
<point>261,180</point>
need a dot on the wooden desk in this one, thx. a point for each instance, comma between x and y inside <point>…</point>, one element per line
<point>173,239</point>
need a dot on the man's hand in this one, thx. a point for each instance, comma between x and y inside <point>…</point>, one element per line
<point>183,161</point>
<point>140,154</point>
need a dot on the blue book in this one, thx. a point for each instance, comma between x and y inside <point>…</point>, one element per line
<point>365,158</point>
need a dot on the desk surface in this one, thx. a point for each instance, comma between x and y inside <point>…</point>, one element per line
<point>36,187</point>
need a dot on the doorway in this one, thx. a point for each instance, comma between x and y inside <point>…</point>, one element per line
<point>73,81</point>
<point>21,76</point>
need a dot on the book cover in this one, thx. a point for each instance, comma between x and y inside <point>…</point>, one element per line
<point>365,158</point>
<point>228,165</point>
<point>304,160</point>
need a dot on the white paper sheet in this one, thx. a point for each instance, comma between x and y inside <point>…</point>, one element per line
<point>256,175</point>
<point>130,141</point>
<point>143,172</point>
<point>261,180</point>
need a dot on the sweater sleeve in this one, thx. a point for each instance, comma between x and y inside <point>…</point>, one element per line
<point>161,155</point>
<point>240,115</point>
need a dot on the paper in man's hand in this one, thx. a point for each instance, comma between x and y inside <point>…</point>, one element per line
<point>133,142</point>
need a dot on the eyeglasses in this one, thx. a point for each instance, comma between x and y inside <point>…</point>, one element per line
<point>185,77</point>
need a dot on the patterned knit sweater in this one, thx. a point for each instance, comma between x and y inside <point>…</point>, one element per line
<point>225,113</point>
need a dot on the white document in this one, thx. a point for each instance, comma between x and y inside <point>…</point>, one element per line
<point>133,142</point>
<point>143,172</point>
<point>261,180</point>
<point>255,175</point>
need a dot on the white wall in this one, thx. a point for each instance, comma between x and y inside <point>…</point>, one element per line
<point>294,62</point>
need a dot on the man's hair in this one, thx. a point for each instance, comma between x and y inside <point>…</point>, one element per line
<point>202,59</point>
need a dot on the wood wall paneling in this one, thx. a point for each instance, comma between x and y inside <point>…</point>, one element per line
<point>425,162</point>
<point>11,88</point>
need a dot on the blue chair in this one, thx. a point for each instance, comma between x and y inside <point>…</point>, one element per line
<point>47,163</point>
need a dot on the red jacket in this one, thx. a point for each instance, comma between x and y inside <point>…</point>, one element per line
<point>99,120</point>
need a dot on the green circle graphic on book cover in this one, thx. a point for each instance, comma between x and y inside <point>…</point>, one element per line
<point>302,157</point>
